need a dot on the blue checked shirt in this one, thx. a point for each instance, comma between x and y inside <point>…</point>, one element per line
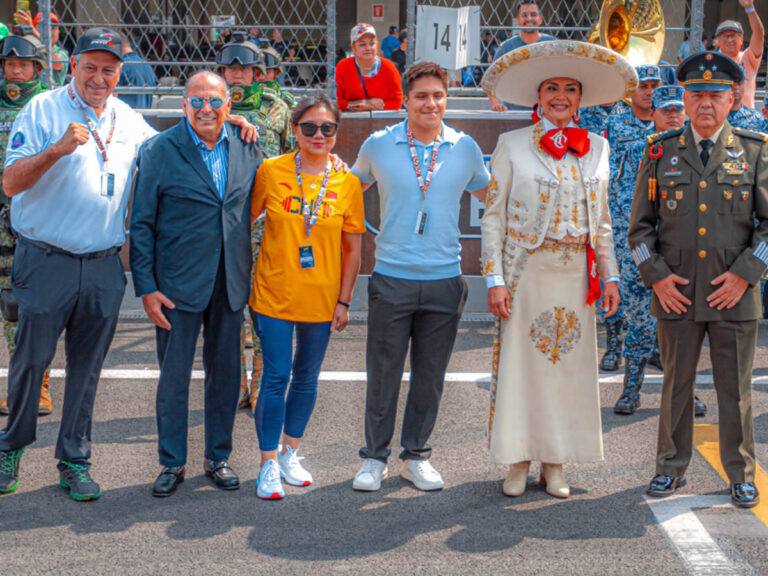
<point>216,160</point>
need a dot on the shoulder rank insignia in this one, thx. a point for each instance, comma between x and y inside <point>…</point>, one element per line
<point>759,136</point>
<point>664,135</point>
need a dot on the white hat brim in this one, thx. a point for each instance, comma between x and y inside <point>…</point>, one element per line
<point>604,75</point>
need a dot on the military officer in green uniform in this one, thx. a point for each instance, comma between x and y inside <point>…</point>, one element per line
<point>22,58</point>
<point>693,238</point>
<point>241,64</point>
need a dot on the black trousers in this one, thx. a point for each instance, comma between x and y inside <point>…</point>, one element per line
<point>57,292</point>
<point>221,361</point>
<point>424,314</point>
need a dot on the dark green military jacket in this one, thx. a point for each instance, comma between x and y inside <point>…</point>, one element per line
<point>702,222</point>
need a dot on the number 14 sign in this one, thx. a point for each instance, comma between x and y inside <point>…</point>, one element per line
<point>448,36</point>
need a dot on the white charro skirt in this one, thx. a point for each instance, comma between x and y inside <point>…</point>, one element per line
<point>545,400</point>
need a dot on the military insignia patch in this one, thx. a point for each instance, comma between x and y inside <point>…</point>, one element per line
<point>237,93</point>
<point>13,91</point>
<point>678,194</point>
<point>17,141</point>
<point>664,195</point>
<point>744,194</point>
<point>672,204</point>
<point>727,194</point>
<point>707,75</point>
<point>674,160</point>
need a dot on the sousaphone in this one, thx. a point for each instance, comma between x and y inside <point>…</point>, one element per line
<point>633,28</point>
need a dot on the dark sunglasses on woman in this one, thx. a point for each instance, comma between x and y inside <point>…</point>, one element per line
<point>327,129</point>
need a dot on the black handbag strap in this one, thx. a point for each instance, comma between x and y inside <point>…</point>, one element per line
<point>360,73</point>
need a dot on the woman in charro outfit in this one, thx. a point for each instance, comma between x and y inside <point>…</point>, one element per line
<point>546,221</point>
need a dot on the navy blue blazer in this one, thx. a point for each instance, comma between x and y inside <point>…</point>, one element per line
<point>180,226</point>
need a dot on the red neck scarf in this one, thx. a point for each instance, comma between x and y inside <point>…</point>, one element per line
<point>559,141</point>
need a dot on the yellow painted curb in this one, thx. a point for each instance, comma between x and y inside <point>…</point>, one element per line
<point>706,441</point>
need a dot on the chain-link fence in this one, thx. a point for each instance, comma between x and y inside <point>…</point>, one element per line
<point>179,37</point>
<point>563,19</point>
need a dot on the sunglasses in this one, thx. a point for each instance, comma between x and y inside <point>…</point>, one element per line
<point>197,102</point>
<point>327,129</point>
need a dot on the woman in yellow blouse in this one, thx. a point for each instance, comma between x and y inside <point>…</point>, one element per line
<point>303,282</point>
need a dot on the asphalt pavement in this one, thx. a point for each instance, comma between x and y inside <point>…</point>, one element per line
<point>606,527</point>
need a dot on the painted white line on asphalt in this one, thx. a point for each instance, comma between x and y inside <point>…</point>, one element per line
<point>343,376</point>
<point>699,552</point>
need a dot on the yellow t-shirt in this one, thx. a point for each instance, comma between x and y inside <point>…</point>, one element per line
<point>281,287</point>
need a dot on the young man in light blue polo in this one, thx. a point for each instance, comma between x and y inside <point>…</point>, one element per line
<point>416,293</point>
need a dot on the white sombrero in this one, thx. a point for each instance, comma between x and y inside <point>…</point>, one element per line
<point>605,76</point>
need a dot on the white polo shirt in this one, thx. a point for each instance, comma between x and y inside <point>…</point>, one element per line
<point>66,207</point>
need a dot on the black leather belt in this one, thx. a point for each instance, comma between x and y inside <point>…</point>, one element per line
<point>56,250</point>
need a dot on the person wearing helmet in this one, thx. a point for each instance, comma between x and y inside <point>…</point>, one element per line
<point>273,65</point>
<point>22,59</point>
<point>241,63</point>
<point>60,57</point>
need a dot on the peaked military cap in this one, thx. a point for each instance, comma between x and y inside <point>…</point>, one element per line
<point>708,72</point>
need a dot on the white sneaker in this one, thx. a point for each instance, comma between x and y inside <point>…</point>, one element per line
<point>268,485</point>
<point>422,474</point>
<point>370,475</point>
<point>292,470</point>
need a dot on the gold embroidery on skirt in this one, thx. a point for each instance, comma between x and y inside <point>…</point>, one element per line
<point>556,333</point>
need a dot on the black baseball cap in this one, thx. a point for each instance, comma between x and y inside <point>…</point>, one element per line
<point>100,39</point>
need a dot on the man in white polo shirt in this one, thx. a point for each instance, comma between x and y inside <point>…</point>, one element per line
<point>68,162</point>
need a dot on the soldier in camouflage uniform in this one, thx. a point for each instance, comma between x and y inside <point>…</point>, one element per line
<point>22,59</point>
<point>274,67</point>
<point>593,118</point>
<point>742,116</point>
<point>641,341</point>
<point>241,63</point>
<point>622,131</point>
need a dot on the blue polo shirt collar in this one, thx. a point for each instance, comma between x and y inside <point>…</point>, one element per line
<point>223,137</point>
<point>447,134</point>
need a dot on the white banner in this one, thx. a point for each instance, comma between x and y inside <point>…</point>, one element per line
<point>448,36</point>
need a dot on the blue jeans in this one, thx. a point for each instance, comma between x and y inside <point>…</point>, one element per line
<point>274,414</point>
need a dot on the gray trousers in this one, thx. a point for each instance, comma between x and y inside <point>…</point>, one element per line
<point>425,314</point>
<point>58,292</point>
<point>732,350</point>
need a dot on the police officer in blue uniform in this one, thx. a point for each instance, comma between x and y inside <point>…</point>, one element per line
<point>622,132</point>
<point>742,116</point>
<point>640,343</point>
<point>593,118</point>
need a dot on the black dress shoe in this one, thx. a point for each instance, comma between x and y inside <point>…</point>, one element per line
<point>699,408</point>
<point>223,476</point>
<point>654,360</point>
<point>744,494</point>
<point>663,485</point>
<point>168,481</point>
